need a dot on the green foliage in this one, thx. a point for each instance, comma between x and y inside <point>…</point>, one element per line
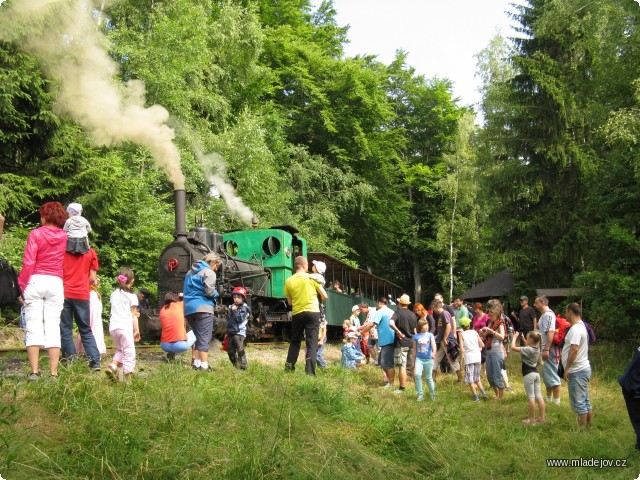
<point>373,163</point>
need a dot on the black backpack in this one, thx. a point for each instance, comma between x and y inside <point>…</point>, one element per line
<point>9,288</point>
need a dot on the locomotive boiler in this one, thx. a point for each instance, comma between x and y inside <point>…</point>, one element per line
<point>260,260</point>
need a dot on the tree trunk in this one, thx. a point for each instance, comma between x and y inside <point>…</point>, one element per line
<point>417,280</point>
<point>453,216</point>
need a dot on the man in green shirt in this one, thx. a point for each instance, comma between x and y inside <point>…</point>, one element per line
<point>302,294</point>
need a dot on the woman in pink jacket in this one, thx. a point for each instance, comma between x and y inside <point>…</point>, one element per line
<point>41,282</point>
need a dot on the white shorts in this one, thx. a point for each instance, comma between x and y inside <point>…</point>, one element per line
<point>43,301</point>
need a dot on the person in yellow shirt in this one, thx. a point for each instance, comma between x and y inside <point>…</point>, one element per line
<point>302,294</point>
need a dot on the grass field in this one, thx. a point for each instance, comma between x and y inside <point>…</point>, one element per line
<point>264,423</point>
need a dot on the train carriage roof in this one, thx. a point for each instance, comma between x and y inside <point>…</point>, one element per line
<point>370,285</point>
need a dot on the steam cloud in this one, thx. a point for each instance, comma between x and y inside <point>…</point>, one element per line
<point>212,162</point>
<point>73,52</point>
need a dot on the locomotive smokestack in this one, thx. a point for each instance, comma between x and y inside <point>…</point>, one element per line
<point>180,197</point>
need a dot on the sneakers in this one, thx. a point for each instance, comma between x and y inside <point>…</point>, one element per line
<point>289,367</point>
<point>420,398</point>
<point>95,367</point>
<point>52,378</point>
<point>387,385</point>
<point>509,389</point>
<point>34,376</point>
<point>171,356</point>
<point>208,369</point>
<point>398,391</point>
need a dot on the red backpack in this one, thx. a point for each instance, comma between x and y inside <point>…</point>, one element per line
<point>562,327</point>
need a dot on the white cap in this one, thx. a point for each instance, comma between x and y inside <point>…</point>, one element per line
<point>352,335</point>
<point>320,266</point>
<point>74,209</point>
<point>354,308</point>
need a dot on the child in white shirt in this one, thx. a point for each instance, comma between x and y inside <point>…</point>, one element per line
<point>473,345</point>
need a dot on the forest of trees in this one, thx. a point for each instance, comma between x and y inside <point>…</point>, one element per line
<point>373,163</point>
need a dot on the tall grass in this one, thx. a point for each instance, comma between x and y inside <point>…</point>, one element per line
<point>264,423</point>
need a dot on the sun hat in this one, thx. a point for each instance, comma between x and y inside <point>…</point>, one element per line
<point>321,267</point>
<point>74,209</point>
<point>404,299</point>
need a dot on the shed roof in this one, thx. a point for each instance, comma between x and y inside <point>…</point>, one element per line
<point>558,292</point>
<point>497,286</point>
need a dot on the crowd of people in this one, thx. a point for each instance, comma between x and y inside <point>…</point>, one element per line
<point>59,287</point>
<point>419,341</point>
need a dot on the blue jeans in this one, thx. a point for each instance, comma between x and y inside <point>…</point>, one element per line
<point>180,346</point>
<point>579,391</point>
<point>427,366</point>
<point>202,324</point>
<point>495,364</point>
<point>549,371</point>
<point>78,309</point>
<point>322,363</point>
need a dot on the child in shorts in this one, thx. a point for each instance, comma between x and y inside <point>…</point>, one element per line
<point>473,345</point>
<point>530,376</point>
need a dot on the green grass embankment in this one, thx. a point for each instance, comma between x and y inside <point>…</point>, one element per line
<point>179,424</point>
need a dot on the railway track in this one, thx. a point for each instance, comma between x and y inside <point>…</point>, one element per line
<point>148,348</point>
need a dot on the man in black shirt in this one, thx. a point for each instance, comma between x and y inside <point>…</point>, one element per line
<point>405,323</point>
<point>527,317</point>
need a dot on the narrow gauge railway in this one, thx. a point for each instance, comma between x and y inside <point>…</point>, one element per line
<point>144,348</point>
<point>260,260</point>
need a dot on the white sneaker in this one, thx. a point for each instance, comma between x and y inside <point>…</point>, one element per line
<point>398,391</point>
<point>387,385</point>
<point>420,398</point>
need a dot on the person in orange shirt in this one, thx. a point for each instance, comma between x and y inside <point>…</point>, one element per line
<point>174,337</point>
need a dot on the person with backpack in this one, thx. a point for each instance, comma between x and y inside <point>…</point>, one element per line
<point>577,369</point>
<point>550,357</point>
<point>493,335</point>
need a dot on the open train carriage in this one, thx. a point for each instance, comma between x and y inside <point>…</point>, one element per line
<point>359,286</point>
